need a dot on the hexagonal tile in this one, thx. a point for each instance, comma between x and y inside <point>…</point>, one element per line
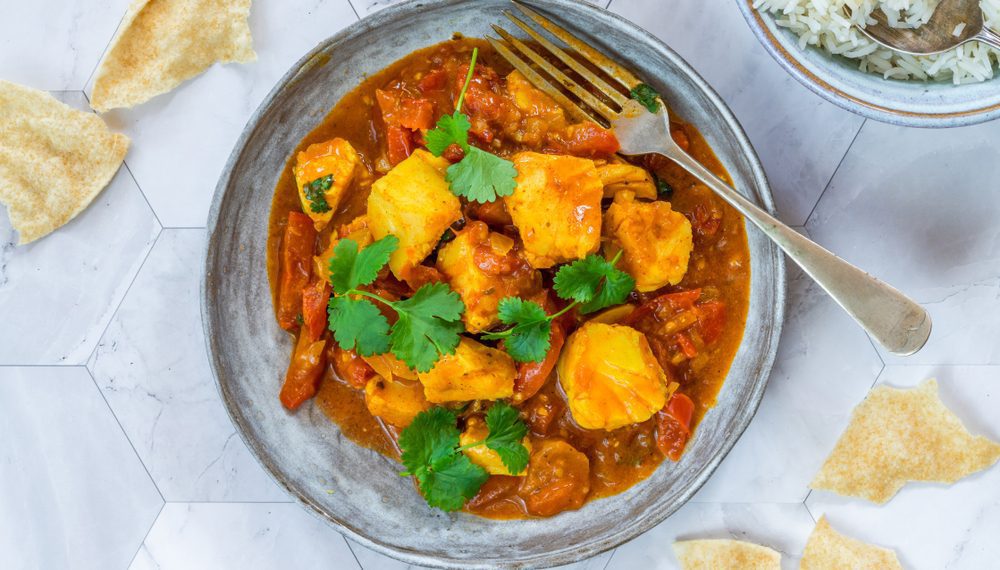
<point>825,366</point>
<point>64,44</point>
<point>182,139</point>
<point>371,560</point>
<point>152,367</point>
<point>924,218</point>
<point>75,494</point>
<point>98,254</point>
<point>783,527</point>
<point>241,535</point>
<point>800,137</point>
<point>930,525</point>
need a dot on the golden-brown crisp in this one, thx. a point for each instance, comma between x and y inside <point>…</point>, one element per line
<point>656,240</point>
<point>611,377</point>
<point>395,401</point>
<point>414,203</point>
<point>827,549</point>
<point>725,554</point>
<point>484,267</point>
<point>475,431</point>
<point>474,372</point>
<point>556,207</point>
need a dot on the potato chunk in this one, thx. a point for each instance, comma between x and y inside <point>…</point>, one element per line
<point>474,372</point>
<point>556,207</point>
<point>657,240</point>
<point>395,401</point>
<point>611,377</point>
<point>475,431</point>
<point>484,267</point>
<point>413,203</point>
<point>336,158</point>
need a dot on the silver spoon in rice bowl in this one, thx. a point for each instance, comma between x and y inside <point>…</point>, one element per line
<point>953,23</point>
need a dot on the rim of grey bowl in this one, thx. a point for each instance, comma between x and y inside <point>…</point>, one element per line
<point>608,542</point>
<point>791,63</point>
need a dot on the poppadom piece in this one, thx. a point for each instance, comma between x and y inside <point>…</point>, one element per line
<point>725,554</point>
<point>54,159</point>
<point>162,43</point>
<point>827,549</point>
<point>896,436</point>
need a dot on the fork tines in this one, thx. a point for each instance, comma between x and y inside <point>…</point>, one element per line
<point>521,56</point>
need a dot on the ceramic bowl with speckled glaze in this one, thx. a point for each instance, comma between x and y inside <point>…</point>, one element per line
<point>357,490</point>
<point>936,104</point>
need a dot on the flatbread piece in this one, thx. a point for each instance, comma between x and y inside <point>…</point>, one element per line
<point>827,549</point>
<point>896,436</point>
<point>54,159</point>
<point>725,554</point>
<point>162,43</point>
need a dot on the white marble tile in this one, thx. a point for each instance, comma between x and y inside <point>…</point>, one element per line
<point>55,46</point>
<point>919,208</point>
<point>371,560</point>
<point>241,536</point>
<point>825,366</point>
<point>152,367</point>
<point>783,527</point>
<point>74,493</point>
<point>182,139</point>
<point>57,294</point>
<point>368,7</point>
<point>935,527</point>
<point>799,137</point>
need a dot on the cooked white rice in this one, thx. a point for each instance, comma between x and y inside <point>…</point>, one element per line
<point>824,24</point>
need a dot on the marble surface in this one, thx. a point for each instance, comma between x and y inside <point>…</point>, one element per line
<point>116,451</point>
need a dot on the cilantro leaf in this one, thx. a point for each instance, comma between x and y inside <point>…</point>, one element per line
<point>614,291</point>
<point>431,436</point>
<point>506,434</point>
<point>530,338</point>
<point>358,324</point>
<point>581,280</point>
<point>663,188</point>
<point>482,177</point>
<point>315,192</point>
<point>451,129</point>
<point>513,310</point>
<point>452,482</point>
<point>350,268</point>
<point>429,326</point>
<point>646,96</point>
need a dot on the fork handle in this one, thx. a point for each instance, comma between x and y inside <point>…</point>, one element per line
<point>894,320</point>
<point>988,36</point>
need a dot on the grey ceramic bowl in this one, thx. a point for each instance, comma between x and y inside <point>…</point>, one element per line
<point>838,80</point>
<point>357,490</point>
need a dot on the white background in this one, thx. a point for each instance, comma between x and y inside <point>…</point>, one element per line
<point>115,451</point>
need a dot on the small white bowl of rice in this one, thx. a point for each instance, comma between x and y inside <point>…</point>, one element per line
<point>818,43</point>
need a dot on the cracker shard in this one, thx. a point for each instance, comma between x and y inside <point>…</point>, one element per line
<point>54,159</point>
<point>896,436</point>
<point>162,43</point>
<point>827,549</point>
<point>725,554</point>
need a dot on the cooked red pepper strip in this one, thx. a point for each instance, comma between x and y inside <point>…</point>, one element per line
<point>673,426</point>
<point>304,372</point>
<point>400,144</point>
<point>531,376</point>
<point>687,347</point>
<point>296,268</point>
<point>315,299</point>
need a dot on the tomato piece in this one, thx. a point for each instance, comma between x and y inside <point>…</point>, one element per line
<point>591,140</point>
<point>531,376</point>
<point>296,268</point>
<point>711,320</point>
<point>434,81</point>
<point>495,213</point>
<point>400,143</point>
<point>407,112</point>
<point>543,412</point>
<point>420,275</point>
<point>678,301</point>
<point>315,299</point>
<point>687,347</point>
<point>304,372</point>
<point>706,220</point>
<point>673,426</point>
<point>497,488</point>
<point>558,478</point>
<point>350,367</point>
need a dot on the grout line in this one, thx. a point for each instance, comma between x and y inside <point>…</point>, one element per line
<point>808,510</point>
<point>148,531</point>
<point>350,548</point>
<point>356,14</point>
<point>185,227</point>
<point>127,438</point>
<point>615,551</point>
<point>835,171</point>
<point>290,501</point>
<point>124,296</point>
<point>608,7</point>
<point>103,53</point>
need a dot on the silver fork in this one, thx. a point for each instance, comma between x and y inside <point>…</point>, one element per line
<point>895,321</point>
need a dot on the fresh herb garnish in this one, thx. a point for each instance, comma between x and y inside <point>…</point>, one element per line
<point>647,96</point>
<point>592,284</point>
<point>480,176</point>
<point>446,476</point>
<point>316,194</point>
<point>663,188</point>
<point>428,325</point>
